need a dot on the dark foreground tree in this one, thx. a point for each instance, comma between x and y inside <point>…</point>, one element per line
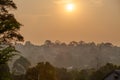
<point>4,72</point>
<point>43,71</point>
<point>103,71</point>
<point>9,35</point>
<point>9,30</point>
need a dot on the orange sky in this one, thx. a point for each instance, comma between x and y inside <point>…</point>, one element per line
<point>92,20</point>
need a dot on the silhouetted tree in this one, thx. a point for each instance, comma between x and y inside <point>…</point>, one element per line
<point>43,71</point>
<point>73,43</point>
<point>63,74</point>
<point>103,71</point>
<point>5,72</point>
<point>48,43</point>
<point>9,29</point>
<point>9,34</point>
<point>57,43</point>
<point>20,66</point>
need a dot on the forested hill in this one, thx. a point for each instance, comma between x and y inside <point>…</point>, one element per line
<point>71,55</point>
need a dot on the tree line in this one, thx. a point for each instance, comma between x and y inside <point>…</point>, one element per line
<point>74,54</point>
<point>46,71</point>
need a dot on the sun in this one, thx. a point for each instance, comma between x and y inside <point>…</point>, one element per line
<point>70,7</point>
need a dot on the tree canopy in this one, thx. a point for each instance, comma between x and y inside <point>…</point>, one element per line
<point>9,30</point>
<point>43,71</point>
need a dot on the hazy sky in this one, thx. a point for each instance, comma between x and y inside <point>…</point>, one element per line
<point>91,20</point>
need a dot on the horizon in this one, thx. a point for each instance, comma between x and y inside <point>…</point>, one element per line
<point>96,43</point>
<point>89,20</point>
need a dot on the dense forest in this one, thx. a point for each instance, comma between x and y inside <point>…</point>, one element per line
<point>46,71</point>
<point>72,55</point>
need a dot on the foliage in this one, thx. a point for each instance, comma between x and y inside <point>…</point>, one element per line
<point>9,30</point>
<point>74,54</point>
<point>43,71</point>
<point>20,66</point>
<point>9,34</point>
<point>103,71</point>
<point>6,54</point>
<point>5,72</point>
<point>9,26</point>
<point>63,74</point>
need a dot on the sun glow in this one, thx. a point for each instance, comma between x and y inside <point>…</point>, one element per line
<point>70,7</point>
